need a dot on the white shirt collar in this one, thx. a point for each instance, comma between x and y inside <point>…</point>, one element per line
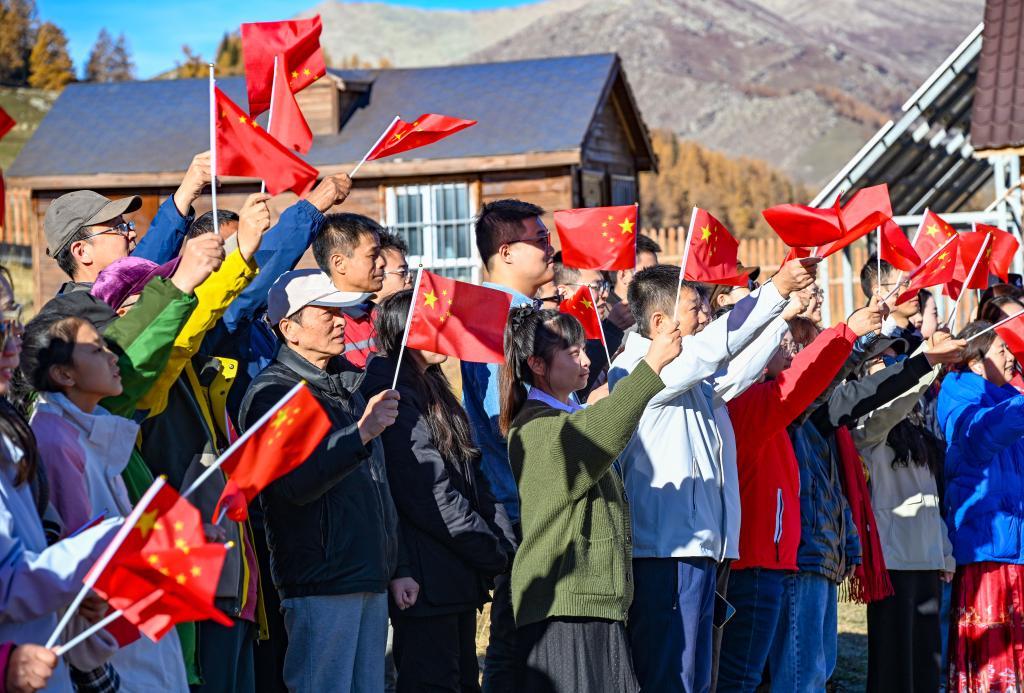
<point>541,396</point>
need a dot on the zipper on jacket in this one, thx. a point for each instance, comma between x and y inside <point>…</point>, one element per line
<point>780,506</point>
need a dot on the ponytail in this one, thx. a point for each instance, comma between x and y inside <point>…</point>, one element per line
<point>530,332</point>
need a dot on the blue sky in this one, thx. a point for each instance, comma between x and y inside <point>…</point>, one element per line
<point>156,30</point>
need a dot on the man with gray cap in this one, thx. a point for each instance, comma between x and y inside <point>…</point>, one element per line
<point>331,524</point>
<point>86,231</point>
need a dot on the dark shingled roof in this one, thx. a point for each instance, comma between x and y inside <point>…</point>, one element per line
<point>542,105</point>
<point>997,118</point>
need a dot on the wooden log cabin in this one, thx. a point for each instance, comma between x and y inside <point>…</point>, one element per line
<point>559,132</point>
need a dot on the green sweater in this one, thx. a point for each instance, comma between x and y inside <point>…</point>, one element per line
<point>575,559</point>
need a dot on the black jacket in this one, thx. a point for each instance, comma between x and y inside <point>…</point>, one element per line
<point>454,537</point>
<point>828,539</point>
<point>331,525</point>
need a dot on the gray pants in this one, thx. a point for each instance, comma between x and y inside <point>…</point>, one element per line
<point>336,643</point>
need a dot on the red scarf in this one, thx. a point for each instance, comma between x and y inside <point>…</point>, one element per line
<point>870,581</point>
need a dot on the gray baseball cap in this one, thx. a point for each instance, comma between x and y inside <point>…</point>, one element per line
<point>75,210</point>
<point>307,287</point>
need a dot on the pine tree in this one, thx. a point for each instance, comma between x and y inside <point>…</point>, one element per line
<point>192,66</point>
<point>50,64</point>
<point>120,67</point>
<point>17,37</point>
<point>229,55</point>
<point>97,69</point>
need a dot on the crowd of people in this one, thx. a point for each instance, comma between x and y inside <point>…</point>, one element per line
<point>678,509</point>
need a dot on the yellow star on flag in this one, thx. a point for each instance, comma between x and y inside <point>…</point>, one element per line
<point>181,579</point>
<point>279,419</point>
<point>626,226</point>
<point>196,572</point>
<point>153,560</point>
<point>295,75</point>
<point>705,233</point>
<point>932,230</point>
<point>182,545</point>
<point>430,299</point>
<point>146,523</point>
<point>179,526</point>
<point>242,119</point>
<point>587,303</point>
<point>306,72</point>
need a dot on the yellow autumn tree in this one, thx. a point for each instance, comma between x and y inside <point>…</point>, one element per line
<point>50,66</point>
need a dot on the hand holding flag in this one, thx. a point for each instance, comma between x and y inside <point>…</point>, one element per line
<point>598,238</point>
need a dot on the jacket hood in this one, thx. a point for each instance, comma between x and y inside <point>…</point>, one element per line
<point>113,437</point>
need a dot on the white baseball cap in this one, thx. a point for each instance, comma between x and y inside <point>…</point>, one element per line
<point>308,287</point>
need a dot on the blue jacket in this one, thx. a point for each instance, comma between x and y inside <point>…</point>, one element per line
<point>166,233</point>
<point>984,501</point>
<point>480,398</point>
<point>240,334</point>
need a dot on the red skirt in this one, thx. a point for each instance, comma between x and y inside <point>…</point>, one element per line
<point>987,639</point>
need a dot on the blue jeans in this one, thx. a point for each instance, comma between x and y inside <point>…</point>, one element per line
<point>757,595</point>
<point>671,623</point>
<point>803,655</point>
<point>336,643</point>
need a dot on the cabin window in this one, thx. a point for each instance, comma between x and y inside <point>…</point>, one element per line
<point>437,223</point>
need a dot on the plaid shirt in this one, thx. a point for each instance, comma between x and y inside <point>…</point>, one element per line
<point>101,680</point>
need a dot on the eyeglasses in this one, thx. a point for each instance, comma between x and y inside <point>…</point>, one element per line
<point>538,303</point>
<point>598,287</point>
<point>543,241</point>
<point>404,274</point>
<point>125,230</point>
<point>10,324</point>
<point>790,347</point>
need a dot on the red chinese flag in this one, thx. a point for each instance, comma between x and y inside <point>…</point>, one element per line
<point>7,123</point>
<point>598,238</point>
<point>427,129</point>
<point>867,209</point>
<point>1001,250</point>
<point>163,572</point>
<point>285,439</point>
<point>714,253</point>
<point>245,149</point>
<point>298,40</point>
<point>971,246</point>
<point>933,233</point>
<point>582,307</point>
<point>805,227</point>
<point>1012,332</point>
<point>896,248</point>
<point>937,270</point>
<point>459,319</point>
<point>288,126</point>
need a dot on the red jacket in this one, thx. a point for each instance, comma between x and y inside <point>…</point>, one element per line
<point>360,336</point>
<point>768,471</point>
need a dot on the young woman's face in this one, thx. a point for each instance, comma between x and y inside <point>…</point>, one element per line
<point>783,357</point>
<point>424,359</point>
<point>93,368</point>
<point>568,371</point>
<point>10,354</point>
<point>997,366</point>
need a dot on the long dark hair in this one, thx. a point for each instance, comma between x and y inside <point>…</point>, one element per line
<point>49,341</point>
<point>531,332</point>
<point>446,419</point>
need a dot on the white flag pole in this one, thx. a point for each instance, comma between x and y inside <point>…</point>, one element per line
<point>370,150</point>
<point>951,320</point>
<point>108,554</point>
<point>604,342</point>
<point>998,324</point>
<point>89,632</point>
<point>686,256</point>
<point>213,149</point>
<point>408,324</point>
<point>242,438</point>
<point>270,116</point>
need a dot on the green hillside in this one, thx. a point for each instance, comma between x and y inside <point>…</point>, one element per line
<point>27,107</point>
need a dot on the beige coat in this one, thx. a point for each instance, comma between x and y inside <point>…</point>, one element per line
<point>905,499</point>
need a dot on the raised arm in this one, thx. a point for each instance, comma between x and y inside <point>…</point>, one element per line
<point>874,428</point>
